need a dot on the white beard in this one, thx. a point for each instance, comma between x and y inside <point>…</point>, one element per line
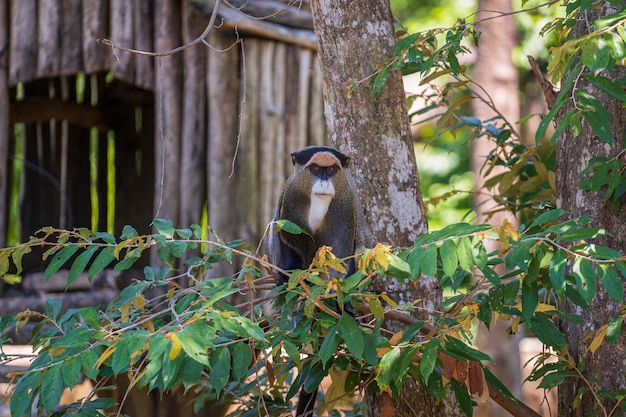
<point>322,194</point>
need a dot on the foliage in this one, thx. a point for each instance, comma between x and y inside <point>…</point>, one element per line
<point>174,329</point>
<point>187,334</point>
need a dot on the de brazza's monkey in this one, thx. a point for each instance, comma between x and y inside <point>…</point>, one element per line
<point>319,198</point>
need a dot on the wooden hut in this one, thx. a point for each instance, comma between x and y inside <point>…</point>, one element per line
<point>92,135</point>
<point>95,135</point>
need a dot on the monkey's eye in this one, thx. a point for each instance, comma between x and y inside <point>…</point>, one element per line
<point>331,170</point>
<point>315,169</point>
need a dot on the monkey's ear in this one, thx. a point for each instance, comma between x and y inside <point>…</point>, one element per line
<point>346,162</point>
<point>293,158</point>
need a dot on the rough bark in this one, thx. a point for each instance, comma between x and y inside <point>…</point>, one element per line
<point>573,155</point>
<point>496,74</point>
<point>353,42</point>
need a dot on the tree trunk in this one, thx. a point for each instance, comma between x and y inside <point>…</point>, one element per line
<point>573,156</point>
<point>353,41</point>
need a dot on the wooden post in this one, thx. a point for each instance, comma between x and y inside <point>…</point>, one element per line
<point>223,113</point>
<point>194,137</point>
<point>23,33</point>
<point>168,111</point>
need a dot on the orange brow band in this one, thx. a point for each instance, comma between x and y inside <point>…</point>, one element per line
<point>324,159</point>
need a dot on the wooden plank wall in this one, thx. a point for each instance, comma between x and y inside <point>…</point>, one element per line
<point>225,116</point>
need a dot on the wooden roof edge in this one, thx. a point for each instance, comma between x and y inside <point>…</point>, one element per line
<point>268,19</point>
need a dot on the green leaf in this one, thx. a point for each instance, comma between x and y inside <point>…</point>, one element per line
<point>456,348</point>
<point>292,351</point>
<point>596,115</point>
<point>16,256</point>
<point>530,299</point>
<point>463,397</point>
<point>128,232</point>
<point>289,227</point>
<point>464,253</point>
<point>105,237</point>
<point>71,371</point>
<point>52,307</point>
<point>242,358</point>
<point>220,368</point>
<point>585,276</point>
<point>449,258</point>
<point>4,263</point>
<point>547,217</point>
<point>557,271</point>
<point>415,258</point>
<point>583,233</point>
<point>404,43</point>
<point>376,307</point>
<point>80,264</point>
<point>192,348</point>
<point>609,20</point>
<point>184,233</point>
<point>546,331</point>
<point>59,260</point>
<point>429,358</point>
<point>126,348</point>
<point>614,329</point>
<point>190,373</point>
<point>387,367</point>
<point>129,260</point>
<point>380,81</point>
<point>23,397</point>
<point>595,55</point>
<point>104,258</point>
<point>329,345</point>
<point>429,261</point>
<point>352,335</point>
<point>51,387</point>
<point>612,283</point>
<point>615,90</point>
<point>164,227</point>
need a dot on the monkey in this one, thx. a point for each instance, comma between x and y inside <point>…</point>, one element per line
<point>318,197</point>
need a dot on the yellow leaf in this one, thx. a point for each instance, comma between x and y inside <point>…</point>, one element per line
<point>176,346</point>
<point>125,313</point>
<point>598,339</point>
<point>139,301</point>
<point>510,230</point>
<point>395,339</point>
<point>543,307</point>
<point>105,356</point>
<point>135,378</point>
<point>514,325</point>
<point>335,391</point>
<point>552,180</point>
<point>388,300</point>
<point>381,254</point>
<point>381,351</point>
<point>56,350</point>
<point>541,169</point>
<point>149,326</point>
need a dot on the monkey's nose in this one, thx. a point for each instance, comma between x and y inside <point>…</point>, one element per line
<point>324,188</point>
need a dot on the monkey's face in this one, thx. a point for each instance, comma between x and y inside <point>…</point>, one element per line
<point>322,167</point>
